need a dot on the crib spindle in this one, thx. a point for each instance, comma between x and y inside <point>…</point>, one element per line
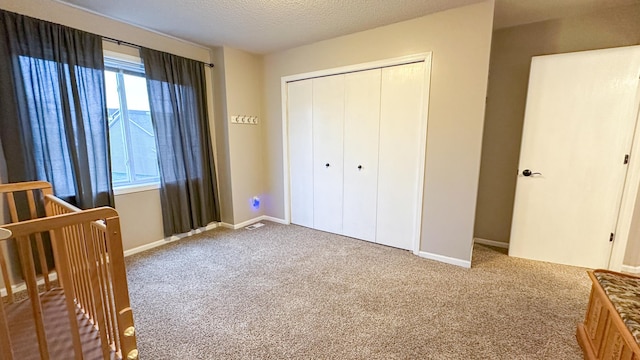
<point>39,243</point>
<point>29,273</point>
<point>5,340</point>
<point>102,283</point>
<point>81,271</point>
<point>75,282</point>
<point>65,275</point>
<point>108,279</point>
<point>78,268</point>
<point>13,210</point>
<point>99,318</point>
<point>85,264</point>
<point>5,276</point>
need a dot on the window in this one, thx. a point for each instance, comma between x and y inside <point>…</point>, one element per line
<point>134,158</point>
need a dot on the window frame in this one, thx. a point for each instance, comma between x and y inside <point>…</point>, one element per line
<point>124,66</point>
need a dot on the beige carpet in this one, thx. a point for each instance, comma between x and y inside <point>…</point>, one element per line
<point>287,292</point>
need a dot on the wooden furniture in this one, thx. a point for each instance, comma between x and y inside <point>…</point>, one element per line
<point>605,333</point>
<point>81,309</point>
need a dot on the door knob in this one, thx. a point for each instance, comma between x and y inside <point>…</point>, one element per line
<point>327,165</point>
<point>359,167</point>
<point>527,172</point>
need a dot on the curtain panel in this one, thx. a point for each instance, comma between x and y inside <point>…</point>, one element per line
<point>178,101</point>
<point>54,118</point>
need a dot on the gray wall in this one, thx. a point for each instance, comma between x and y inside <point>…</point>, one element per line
<point>511,53</point>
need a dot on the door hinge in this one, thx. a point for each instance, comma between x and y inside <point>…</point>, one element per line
<point>611,237</point>
<point>626,159</point>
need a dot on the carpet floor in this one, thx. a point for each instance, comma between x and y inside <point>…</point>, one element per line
<point>288,292</point>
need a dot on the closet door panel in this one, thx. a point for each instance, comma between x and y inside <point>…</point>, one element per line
<point>301,151</point>
<point>361,131</point>
<point>328,122</point>
<point>400,125</point>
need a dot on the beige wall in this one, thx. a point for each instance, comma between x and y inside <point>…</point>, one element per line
<point>511,54</point>
<point>243,74</point>
<point>140,218</point>
<point>223,166</point>
<point>632,255</point>
<point>460,41</point>
<point>141,214</point>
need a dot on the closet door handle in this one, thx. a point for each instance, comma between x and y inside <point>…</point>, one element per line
<point>359,167</point>
<point>327,165</point>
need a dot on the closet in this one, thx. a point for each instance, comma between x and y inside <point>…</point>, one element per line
<point>356,153</point>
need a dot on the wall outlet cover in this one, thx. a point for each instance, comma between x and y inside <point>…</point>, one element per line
<point>255,202</point>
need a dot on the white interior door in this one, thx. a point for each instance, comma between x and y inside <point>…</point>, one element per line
<point>328,122</point>
<point>361,129</point>
<point>399,156</point>
<point>579,121</point>
<point>301,151</point>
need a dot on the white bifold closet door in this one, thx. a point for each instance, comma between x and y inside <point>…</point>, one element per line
<point>355,150</point>
<point>301,157</point>
<point>401,120</point>
<point>361,132</point>
<point>328,123</point>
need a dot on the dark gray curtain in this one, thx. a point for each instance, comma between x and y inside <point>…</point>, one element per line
<point>53,110</point>
<point>178,101</point>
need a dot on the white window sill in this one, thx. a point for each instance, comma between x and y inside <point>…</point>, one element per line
<point>121,190</point>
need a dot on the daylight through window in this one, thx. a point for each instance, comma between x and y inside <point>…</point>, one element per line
<point>133,148</point>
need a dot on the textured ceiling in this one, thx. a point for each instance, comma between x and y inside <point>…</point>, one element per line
<point>263,26</point>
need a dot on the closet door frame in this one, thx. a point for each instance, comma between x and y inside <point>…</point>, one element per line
<point>424,58</point>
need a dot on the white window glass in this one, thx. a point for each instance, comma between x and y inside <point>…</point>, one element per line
<point>133,148</point>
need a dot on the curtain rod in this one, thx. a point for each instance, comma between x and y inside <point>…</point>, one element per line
<point>120,42</point>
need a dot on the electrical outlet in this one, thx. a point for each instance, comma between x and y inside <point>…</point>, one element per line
<point>255,203</point>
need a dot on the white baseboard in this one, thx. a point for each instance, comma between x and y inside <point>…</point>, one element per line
<point>275,220</point>
<point>146,247</point>
<point>494,243</point>
<point>170,239</point>
<point>53,276</point>
<point>246,223</point>
<point>173,238</point>
<point>630,269</point>
<point>445,259</point>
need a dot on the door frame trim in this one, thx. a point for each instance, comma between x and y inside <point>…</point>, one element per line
<point>623,230</point>
<point>425,58</point>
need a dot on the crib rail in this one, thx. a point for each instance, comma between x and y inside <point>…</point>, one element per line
<point>95,275</point>
<point>89,259</point>
<point>34,192</point>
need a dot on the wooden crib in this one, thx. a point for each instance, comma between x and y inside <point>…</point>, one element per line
<point>81,309</point>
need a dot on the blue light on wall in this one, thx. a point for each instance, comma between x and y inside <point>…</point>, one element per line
<point>255,203</point>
